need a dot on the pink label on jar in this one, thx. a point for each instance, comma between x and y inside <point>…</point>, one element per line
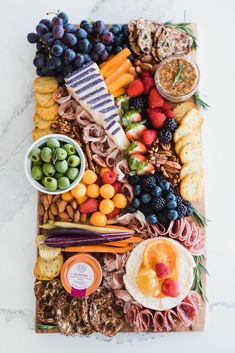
<point>80,277</point>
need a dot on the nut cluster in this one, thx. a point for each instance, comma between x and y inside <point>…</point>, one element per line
<point>53,208</point>
<point>163,156</point>
<point>145,63</point>
<point>66,127</point>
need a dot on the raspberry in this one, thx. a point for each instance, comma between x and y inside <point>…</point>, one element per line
<point>145,74</point>
<point>162,270</point>
<point>117,186</point>
<point>167,106</point>
<point>135,88</point>
<point>170,288</point>
<point>109,177</point>
<point>116,212</point>
<point>89,206</point>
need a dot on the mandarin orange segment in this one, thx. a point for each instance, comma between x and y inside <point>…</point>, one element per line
<point>160,251</point>
<point>148,283</point>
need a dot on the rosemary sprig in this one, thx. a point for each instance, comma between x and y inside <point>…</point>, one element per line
<point>199,102</point>
<point>46,327</point>
<point>201,220</point>
<point>197,273</point>
<point>178,76</point>
<point>184,26</point>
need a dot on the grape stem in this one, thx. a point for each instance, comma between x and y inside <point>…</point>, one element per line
<point>53,13</point>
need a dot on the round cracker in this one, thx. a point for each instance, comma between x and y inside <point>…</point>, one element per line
<point>181,131</point>
<point>191,187</point>
<point>42,124</point>
<point>193,118</point>
<point>190,153</point>
<point>44,99</point>
<point>49,113</point>
<point>190,138</point>
<point>182,108</point>
<point>38,275</point>
<point>192,167</point>
<point>50,268</point>
<point>45,84</point>
<point>37,133</point>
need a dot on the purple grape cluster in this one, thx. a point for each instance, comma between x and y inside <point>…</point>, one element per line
<point>63,47</point>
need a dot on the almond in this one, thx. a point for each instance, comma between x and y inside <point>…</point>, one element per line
<point>56,198</point>
<point>138,69</point>
<point>74,204</point>
<point>137,62</point>
<point>54,209</point>
<point>70,211</point>
<point>49,198</point>
<point>45,202</point>
<point>62,206</point>
<point>76,217</point>
<point>146,67</point>
<point>147,59</point>
<point>64,216</point>
<point>51,216</point>
<point>40,209</point>
<point>45,217</point>
<point>132,70</point>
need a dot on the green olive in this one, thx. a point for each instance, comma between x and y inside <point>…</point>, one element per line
<point>63,183</point>
<point>60,154</point>
<point>46,154</point>
<point>50,183</point>
<point>72,173</point>
<point>53,143</point>
<point>35,155</point>
<point>61,166</point>
<point>48,169</point>
<point>36,172</point>
<point>69,148</point>
<point>73,161</point>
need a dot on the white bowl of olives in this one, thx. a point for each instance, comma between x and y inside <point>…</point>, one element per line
<point>54,164</point>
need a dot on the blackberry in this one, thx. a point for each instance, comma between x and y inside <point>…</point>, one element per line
<point>138,102</point>
<point>134,179</point>
<point>158,203</point>
<point>170,124</point>
<point>182,210</point>
<point>146,210</point>
<point>158,177</point>
<point>165,136</point>
<point>148,182</point>
<point>189,207</point>
<point>179,200</point>
<point>162,218</point>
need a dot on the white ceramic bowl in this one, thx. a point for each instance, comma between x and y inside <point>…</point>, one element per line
<point>38,144</point>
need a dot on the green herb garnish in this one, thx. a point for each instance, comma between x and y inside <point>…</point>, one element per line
<point>197,274</point>
<point>46,327</point>
<point>201,220</point>
<point>199,102</point>
<point>178,76</point>
<point>184,26</point>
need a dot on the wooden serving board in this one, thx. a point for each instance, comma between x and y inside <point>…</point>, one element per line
<point>199,324</point>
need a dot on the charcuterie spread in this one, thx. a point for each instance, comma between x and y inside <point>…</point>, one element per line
<point>118,163</point>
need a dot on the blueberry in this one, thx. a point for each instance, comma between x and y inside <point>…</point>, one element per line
<point>171,204</point>
<point>152,218</point>
<point>156,191</point>
<point>136,202</point>
<point>146,198</point>
<point>170,197</point>
<point>137,190</point>
<point>165,185</point>
<point>172,215</point>
<point>130,209</point>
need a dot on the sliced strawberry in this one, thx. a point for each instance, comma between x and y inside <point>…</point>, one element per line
<point>167,106</point>
<point>169,113</point>
<point>149,136</point>
<point>132,116</point>
<point>137,162</point>
<point>135,131</point>
<point>157,119</point>
<point>116,212</point>
<point>137,147</point>
<point>155,99</point>
<point>149,168</point>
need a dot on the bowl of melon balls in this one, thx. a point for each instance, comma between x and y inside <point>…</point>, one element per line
<point>54,164</point>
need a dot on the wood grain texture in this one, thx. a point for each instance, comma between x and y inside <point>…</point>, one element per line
<point>199,324</point>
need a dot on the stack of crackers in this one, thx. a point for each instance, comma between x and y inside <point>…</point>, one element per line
<point>46,107</point>
<point>187,138</point>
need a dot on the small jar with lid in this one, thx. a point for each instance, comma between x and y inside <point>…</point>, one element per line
<point>177,78</point>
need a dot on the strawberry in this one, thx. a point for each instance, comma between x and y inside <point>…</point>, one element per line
<point>137,162</point>
<point>135,88</point>
<point>149,168</point>
<point>170,288</point>
<point>137,147</point>
<point>135,131</point>
<point>148,84</point>
<point>117,185</point>
<point>162,270</point>
<point>89,206</point>
<point>132,116</point>
<point>109,177</point>
<point>167,106</point>
<point>149,136</point>
<point>157,119</point>
<point>145,74</point>
<point>116,212</point>
<point>169,113</point>
<point>155,99</point>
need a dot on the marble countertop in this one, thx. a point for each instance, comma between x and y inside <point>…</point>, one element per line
<point>18,199</point>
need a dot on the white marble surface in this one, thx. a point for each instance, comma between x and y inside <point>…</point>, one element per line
<point>18,200</point>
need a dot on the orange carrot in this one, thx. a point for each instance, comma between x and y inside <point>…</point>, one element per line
<point>119,92</point>
<point>120,244</point>
<point>112,69</point>
<point>103,63</point>
<point>123,80</point>
<point>124,67</point>
<point>98,248</point>
<point>119,58</point>
<point>125,242</point>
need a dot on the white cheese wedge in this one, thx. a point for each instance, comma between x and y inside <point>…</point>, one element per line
<point>185,276</point>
